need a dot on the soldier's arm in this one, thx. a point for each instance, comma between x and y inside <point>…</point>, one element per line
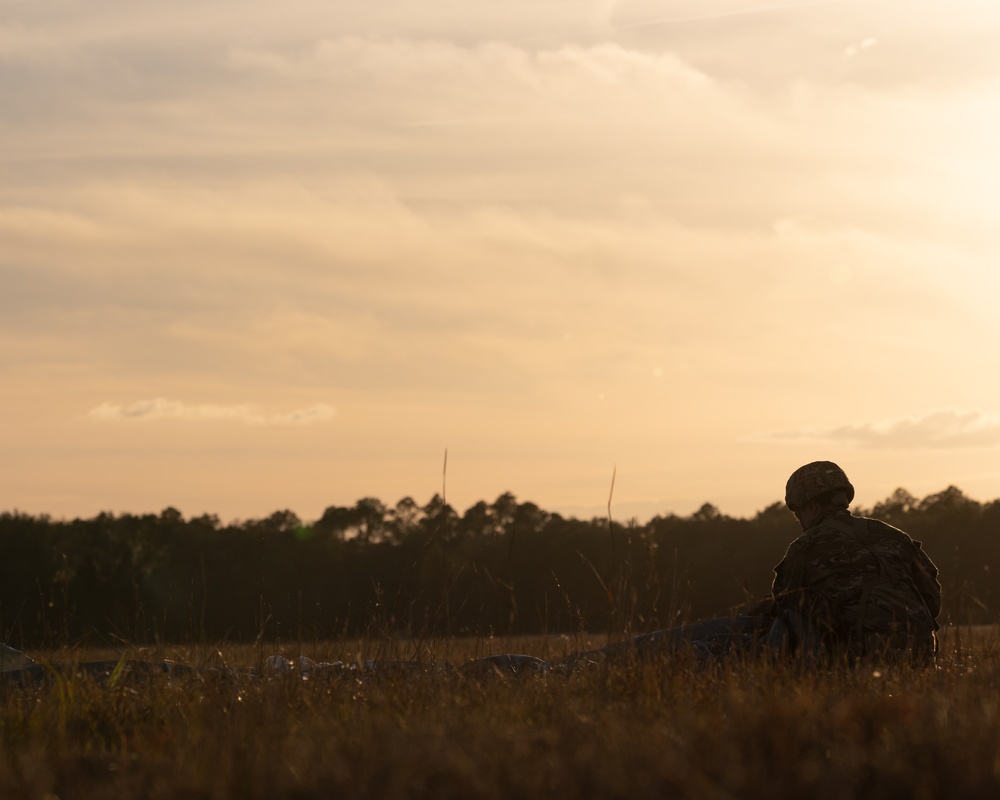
<point>794,577</point>
<point>789,575</point>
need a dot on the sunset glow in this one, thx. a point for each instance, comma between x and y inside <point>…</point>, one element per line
<point>258,256</point>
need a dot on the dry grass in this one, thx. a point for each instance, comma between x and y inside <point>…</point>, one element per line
<point>671,729</point>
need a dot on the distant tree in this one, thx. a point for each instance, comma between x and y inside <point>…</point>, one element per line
<point>439,518</point>
<point>370,522</point>
<point>283,522</point>
<point>896,508</point>
<point>529,518</point>
<point>477,521</point>
<point>707,513</point>
<point>503,510</point>
<point>335,522</point>
<point>404,519</point>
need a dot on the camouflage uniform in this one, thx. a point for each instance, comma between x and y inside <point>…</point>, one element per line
<point>860,587</point>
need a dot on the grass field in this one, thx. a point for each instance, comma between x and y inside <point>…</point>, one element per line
<point>668,729</point>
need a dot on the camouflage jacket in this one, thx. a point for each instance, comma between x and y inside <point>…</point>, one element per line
<point>852,576</point>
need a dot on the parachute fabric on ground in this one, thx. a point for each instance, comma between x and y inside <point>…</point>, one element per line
<point>707,642</point>
<point>11,659</point>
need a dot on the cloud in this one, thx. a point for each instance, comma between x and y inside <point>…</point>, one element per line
<point>944,429</point>
<point>397,81</point>
<point>729,14</point>
<point>161,408</point>
<point>852,50</point>
<point>21,44</point>
<point>398,209</point>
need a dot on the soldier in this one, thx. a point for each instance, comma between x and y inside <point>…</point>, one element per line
<point>850,586</point>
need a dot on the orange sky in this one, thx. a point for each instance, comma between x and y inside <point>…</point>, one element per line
<point>258,256</point>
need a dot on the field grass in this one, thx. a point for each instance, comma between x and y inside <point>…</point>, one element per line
<point>754,729</point>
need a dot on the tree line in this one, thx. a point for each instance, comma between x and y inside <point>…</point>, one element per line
<point>505,568</point>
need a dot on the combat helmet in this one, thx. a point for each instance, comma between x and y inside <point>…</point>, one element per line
<point>813,480</point>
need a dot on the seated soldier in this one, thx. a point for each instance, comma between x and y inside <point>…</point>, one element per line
<point>850,586</point>
<point>847,587</point>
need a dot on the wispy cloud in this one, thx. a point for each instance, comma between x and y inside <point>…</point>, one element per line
<point>19,44</point>
<point>160,408</point>
<point>852,50</point>
<point>741,12</point>
<point>606,24</point>
<point>438,123</point>
<point>944,429</point>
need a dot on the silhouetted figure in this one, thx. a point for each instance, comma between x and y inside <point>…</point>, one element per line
<point>851,586</point>
<point>848,588</point>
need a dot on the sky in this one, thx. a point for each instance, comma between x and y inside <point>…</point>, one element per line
<point>259,256</point>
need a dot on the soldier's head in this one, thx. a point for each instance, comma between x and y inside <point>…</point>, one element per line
<point>817,489</point>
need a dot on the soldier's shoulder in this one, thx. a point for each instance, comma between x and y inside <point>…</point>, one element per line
<point>819,536</point>
<point>832,526</point>
<point>877,527</point>
<point>881,524</point>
